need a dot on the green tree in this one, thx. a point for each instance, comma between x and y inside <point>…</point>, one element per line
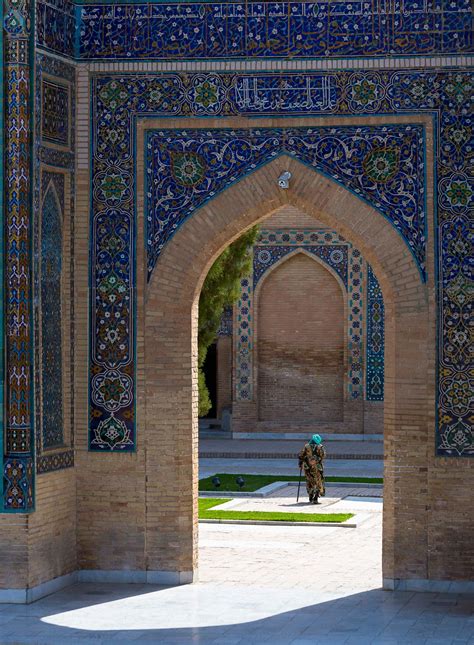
<point>221,289</point>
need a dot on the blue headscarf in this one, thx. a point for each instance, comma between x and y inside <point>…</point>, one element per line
<point>316,439</point>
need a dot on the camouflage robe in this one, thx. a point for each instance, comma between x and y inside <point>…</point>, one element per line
<point>311,458</point>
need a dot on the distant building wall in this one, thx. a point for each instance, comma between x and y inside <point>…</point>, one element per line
<point>300,344</point>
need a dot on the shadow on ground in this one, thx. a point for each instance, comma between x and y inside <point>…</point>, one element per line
<point>213,614</point>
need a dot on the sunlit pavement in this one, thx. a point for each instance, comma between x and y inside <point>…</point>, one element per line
<point>258,584</point>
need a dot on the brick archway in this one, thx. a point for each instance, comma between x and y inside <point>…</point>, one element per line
<point>242,410</point>
<point>293,340</point>
<point>169,389</point>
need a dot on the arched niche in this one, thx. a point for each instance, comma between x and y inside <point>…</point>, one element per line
<point>300,331</point>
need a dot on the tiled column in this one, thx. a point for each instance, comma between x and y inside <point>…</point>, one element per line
<point>18,449</point>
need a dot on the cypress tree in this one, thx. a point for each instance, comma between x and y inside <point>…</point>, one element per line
<point>221,289</point>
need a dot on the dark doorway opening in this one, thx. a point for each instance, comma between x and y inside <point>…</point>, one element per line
<point>210,373</point>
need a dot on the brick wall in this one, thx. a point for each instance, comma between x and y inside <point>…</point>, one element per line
<point>140,510</point>
<point>300,343</point>
<point>291,217</point>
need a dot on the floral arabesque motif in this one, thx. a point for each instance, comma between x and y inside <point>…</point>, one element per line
<point>288,29</point>
<point>403,91</point>
<point>187,168</point>
<point>375,345</point>
<point>381,164</point>
<point>384,166</point>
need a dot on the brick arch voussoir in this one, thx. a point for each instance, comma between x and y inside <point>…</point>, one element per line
<point>188,256</point>
<point>170,356</point>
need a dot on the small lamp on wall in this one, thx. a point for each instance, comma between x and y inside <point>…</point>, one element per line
<point>240,481</point>
<point>284,179</point>
<point>216,481</point>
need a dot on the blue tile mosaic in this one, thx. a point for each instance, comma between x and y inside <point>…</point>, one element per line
<point>55,111</point>
<point>335,256</point>
<point>51,328</point>
<point>445,95</point>
<point>16,59</point>
<point>375,344</point>
<point>60,163</point>
<point>204,30</point>
<point>384,165</point>
<point>56,26</point>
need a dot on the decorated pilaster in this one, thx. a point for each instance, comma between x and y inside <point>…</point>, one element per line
<point>18,444</point>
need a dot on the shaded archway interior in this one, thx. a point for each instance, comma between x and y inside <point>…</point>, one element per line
<point>170,347</point>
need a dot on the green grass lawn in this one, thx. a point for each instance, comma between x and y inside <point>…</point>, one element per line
<point>207,512</point>
<point>254,482</point>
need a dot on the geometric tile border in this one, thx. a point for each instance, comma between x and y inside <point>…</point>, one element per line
<point>445,95</point>
<point>289,29</point>
<point>18,447</point>
<point>341,259</point>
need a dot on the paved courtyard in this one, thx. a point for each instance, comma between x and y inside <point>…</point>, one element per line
<point>258,584</point>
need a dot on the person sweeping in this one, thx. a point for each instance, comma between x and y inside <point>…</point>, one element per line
<point>311,460</point>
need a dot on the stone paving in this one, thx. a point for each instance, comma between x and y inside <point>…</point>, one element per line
<point>338,499</point>
<point>288,449</point>
<point>279,585</point>
<point>259,584</point>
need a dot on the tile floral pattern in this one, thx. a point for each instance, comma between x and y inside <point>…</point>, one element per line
<point>375,344</point>
<point>345,261</point>
<point>382,165</point>
<point>445,95</point>
<point>289,29</point>
<point>56,26</point>
<point>60,165</point>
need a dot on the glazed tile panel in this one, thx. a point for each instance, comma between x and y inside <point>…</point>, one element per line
<point>56,26</point>
<point>445,95</point>
<point>54,147</point>
<point>329,28</point>
<point>375,345</point>
<point>383,165</point>
<point>51,329</point>
<point>18,444</point>
<point>335,256</point>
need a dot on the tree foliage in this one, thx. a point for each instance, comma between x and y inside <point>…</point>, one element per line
<point>221,289</point>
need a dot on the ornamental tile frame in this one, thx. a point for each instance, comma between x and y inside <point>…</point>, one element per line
<point>186,168</point>
<point>290,29</point>
<point>341,258</point>
<point>55,165</point>
<point>382,165</point>
<point>18,439</point>
<point>445,95</point>
<point>375,339</point>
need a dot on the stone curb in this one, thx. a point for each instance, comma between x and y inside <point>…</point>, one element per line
<point>345,525</point>
<point>271,488</point>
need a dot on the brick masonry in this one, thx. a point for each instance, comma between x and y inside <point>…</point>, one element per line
<point>300,350</point>
<point>355,415</point>
<point>137,511</point>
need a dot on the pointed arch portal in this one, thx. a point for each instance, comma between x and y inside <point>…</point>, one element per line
<point>169,391</point>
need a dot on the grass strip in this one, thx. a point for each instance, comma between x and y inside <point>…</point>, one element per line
<point>254,482</point>
<point>207,512</point>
